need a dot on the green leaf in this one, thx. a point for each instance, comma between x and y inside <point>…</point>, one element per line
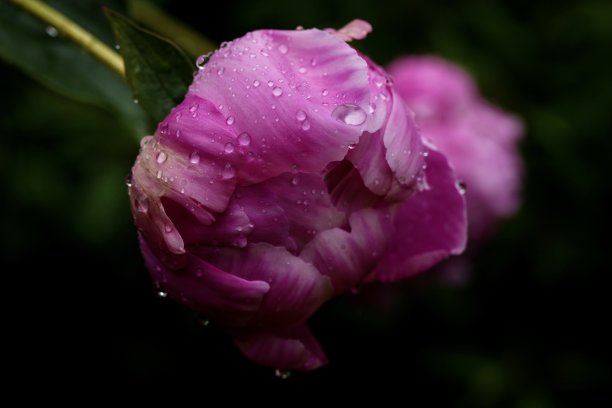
<point>158,72</point>
<point>60,65</point>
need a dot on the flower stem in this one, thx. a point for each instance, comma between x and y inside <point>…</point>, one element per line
<point>75,33</point>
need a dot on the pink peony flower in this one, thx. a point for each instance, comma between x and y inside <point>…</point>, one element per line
<point>479,139</point>
<point>290,173</point>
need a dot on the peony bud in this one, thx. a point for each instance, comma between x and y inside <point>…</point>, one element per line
<point>290,173</point>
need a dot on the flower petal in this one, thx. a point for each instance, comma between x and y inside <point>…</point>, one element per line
<point>347,257</point>
<point>294,349</point>
<point>297,289</point>
<point>429,227</point>
<point>305,208</point>
<point>283,89</point>
<point>228,299</point>
<point>355,30</point>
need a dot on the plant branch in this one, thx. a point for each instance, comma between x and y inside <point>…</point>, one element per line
<point>75,33</point>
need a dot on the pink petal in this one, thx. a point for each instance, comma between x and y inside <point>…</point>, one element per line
<point>429,227</point>
<point>288,91</point>
<point>355,30</point>
<point>298,200</point>
<point>294,349</point>
<point>297,289</point>
<point>434,88</point>
<point>221,296</point>
<point>347,257</point>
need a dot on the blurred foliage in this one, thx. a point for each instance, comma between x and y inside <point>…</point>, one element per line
<point>528,330</point>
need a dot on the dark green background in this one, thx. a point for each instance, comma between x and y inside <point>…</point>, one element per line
<point>528,330</point>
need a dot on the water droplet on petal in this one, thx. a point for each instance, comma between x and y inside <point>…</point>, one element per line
<point>230,120</point>
<point>462,187</point>
<point>159,174</point>
<point>277,91</point>
<point>270,84</point>
<point>228,172</point>
<point>161,157</point>
<point>168,228</point>
<point>295,181</point>
<point>302,70</point>
<point>194,158</point>
<point>283,49</point>
<point>162,294</point>
<point>256,83</point>
<point>193,107</point>
<point>244,139</point>
<point>220,71</point>
<point>229,148</point>
<point>128,180</point>
<point>305,125</point>
<point>51,31</point>
<point>202,60</point>
<point>300,115</point>
<point>349,114</point>
<point>282,374</point>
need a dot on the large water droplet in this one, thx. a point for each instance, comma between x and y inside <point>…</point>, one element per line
<point>161,157</point>
<point>350,114</point>
<point>277,91</point>
<point>230,120</point>
<point>194,158</point>
<point>256,83</point>
<point>300,115</point>
<point>306,125</point>
<point>244,139</point>
<point>282,374</point>
<point>202,60</point>
<point>229,148</point>
<point>283,49</point>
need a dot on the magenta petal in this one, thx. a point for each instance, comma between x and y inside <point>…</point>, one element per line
<point>347,257</point>
<point>213,292</point>
<point>429,227</point>
<point>294,349</point>
<point>287,93</point>
<point>298,200</point>
<point>297,288</point>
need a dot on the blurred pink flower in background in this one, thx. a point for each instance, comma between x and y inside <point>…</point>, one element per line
<point>479,139</point>
<point>290,173</point>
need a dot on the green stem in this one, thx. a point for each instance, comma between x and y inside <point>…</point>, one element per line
<point>75,33</point>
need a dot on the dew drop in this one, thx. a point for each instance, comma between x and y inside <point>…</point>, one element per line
<point>256,83</point>
<point>168,228</point>
<point>282,374</point>
<point>349,114</point>
<point>270,84</point>
<point>244,139</point>
<point>194,158</point>
<point>128,180</point>
<point>230,120</point>
<point>461,186</point>
<point>202,60</point>
<point>325,92</point>
<point>302,70</point>
<point>229,148</point>
<point>51,31</point>
<point>220,71</point>
<point>277,91</point>
<point>300,115</point>
<point>295,181</point>
<point>228,172</point>
<point>162,294</point>
<point>161,157</point>
<point>193,107</point>
<point>306,125</point>
<point>159,174</point>
<point>283,49</point>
